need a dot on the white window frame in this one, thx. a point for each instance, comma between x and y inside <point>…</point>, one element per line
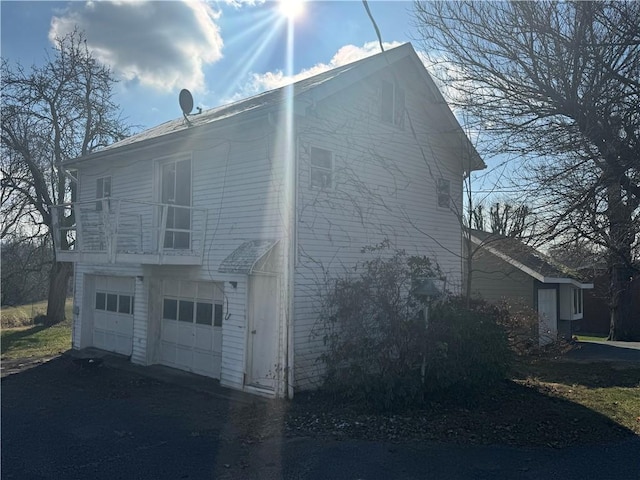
<point>217,311</point>
<point>577,301</point>
<point>119,297</point>
<point>440,193</point>
<point>160,164</point>
<point>100,190</point>
<point>320,168</point>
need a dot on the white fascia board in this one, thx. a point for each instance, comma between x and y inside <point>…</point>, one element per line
<point>571,281</point>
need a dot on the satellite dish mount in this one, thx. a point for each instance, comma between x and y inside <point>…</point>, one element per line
<point>186,103</point>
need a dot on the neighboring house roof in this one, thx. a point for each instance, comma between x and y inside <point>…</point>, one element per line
<point>527,259</point>
<point>244,258</point>
<point>304,92</point>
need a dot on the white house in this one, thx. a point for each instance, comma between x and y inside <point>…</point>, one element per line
<point>203,243</point>
<point>506,269</point>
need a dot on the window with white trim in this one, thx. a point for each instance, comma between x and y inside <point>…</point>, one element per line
<point>443,187</point>
<point>114,302</point>
<point>103,191</point>
<point>392,104</point>
<point>321,168</point>
<point>577,301</point>
<point>189,311</point>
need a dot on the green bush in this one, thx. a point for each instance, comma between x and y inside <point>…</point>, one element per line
<point>382,354</point>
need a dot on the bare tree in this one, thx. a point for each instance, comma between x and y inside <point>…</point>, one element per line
<point>557,83</point>
<point>51,113</point>
<point>506,218</point>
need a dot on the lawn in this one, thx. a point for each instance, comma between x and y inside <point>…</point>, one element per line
<point>36,341</point>
<point>28,340</point>
<point>591,337</point>
<point>612,390</point>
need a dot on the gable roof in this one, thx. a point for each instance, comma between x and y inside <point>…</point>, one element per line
<point>527,259</point>
<point>319,86</point>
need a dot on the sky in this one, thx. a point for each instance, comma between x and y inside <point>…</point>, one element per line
<point>220,50</point>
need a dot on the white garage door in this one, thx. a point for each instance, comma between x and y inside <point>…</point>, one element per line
<point>191,337</point>
<point>113,314</point>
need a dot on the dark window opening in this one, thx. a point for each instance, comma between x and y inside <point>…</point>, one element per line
<point>112,302</point>
<point>217,319</point>
<point>101,301</point>
<point>204,313</point>
<point>170,309</point>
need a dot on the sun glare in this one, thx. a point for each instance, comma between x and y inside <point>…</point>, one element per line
<point>291,8</point>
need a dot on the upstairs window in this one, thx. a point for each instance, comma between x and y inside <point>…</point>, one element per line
<point>392,104</point>
<point>103,191</point>
<point>443,187</point>
<point>321,168</point>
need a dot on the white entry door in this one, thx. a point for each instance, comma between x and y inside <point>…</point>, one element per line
<point>263,330</point>
<point>547,316</point>
<point>113,314</point>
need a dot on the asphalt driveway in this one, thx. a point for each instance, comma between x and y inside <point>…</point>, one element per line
<point>589,351</point>
<point>63,422</point>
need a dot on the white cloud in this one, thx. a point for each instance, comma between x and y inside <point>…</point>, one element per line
<point>261,82</point>
<point>163,45</point>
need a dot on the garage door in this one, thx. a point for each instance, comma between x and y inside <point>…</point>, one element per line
<point>191,337</point>
<point>113,314</point>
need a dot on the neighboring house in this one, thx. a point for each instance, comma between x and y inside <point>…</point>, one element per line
<point>203,244</point>
<point>505,269</point>
<point>597,315</point>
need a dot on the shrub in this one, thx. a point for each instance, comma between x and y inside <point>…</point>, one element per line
<point>382,354</point>
<point>467,349</point>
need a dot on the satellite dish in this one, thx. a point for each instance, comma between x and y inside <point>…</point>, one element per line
<point>186,101</point>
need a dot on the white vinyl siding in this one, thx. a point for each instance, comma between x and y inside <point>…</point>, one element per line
<point>383,188</point>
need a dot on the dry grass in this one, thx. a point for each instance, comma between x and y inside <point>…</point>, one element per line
<point>23,315</point>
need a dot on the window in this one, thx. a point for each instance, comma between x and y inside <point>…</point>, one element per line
<point>577,301</point>
<point>170,309</point>
<point>204,313</point>
<point>103,191</point>
<point>113,302</point>
<point>321,168</point>
<point>392,104</point>
<point>217,319</point>
<point>444,192</point>
<point>185,311</point>
<point>175,194</point>
<point>125,304</point>
<point>101,301</point>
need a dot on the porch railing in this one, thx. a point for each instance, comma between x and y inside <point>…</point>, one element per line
<point>116,230</point>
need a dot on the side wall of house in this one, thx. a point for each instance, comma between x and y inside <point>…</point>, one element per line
<point>237,176</point>
<point>495,280</point>
<point>382,187</point>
